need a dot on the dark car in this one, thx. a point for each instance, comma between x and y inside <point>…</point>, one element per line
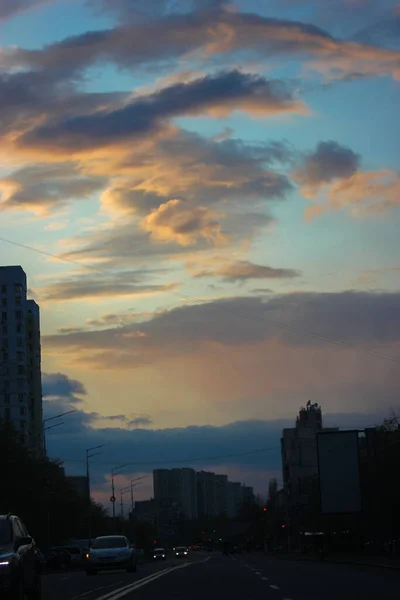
<point>181,552</point>
<point>19,562</point>
<point>159,554</point>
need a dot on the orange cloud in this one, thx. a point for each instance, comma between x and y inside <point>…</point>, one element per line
<point>173,221</point>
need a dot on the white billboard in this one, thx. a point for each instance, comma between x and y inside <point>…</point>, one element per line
<point>339,472</point>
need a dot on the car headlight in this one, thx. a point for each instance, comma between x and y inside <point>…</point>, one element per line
<point>185,553</point>
<point>177,553</point>
<point>4,562</point>
<point>163,556</point>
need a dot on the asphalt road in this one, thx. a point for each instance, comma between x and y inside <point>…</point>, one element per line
<point>214,576</point>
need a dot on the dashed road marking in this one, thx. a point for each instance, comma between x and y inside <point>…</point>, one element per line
<point>258,573</point>
<point>274,587</point>
<point>264,578</point>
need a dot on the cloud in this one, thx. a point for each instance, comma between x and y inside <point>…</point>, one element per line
<point>206,33</point>
<point>9,8</point>
<point>59,384</point>
<point>168,448</point>
<point>242,270</point>
<point>343,320</point>
<point>41,188</point>
<point>173,221</point>
<point>216,95</point>
<point>328,162</point>
<point>107,285</point>
<point>364,193</point>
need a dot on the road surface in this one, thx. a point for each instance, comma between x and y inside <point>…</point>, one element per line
<point>214,576</point>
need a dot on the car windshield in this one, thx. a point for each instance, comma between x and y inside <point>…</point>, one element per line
<point>5,532</point>
<point>181,549</point>
<point>109,542</point>
<point>159,551</point>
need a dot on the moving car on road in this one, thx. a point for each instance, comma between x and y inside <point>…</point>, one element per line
<point>19,562</point>
<point>181,551</point>
<point>110,552</point>
<point>159,554</point>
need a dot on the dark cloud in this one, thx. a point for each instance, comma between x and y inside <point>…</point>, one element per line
<point>352,319</point>
<point>62,386</point>
<point>242,270</point>
<point>133,10</point>
<point>153,448</point>
<point>329,161</point>
<point>222,92</point>
<point>205,33</point>
<point>126,283</point>
<point>40,188</point>
<point>9,8</point>
<point>27,96</point>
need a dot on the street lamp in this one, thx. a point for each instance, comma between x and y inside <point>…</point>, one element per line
<point>64,414</point>
<point>115,471</point>
<point>125,491</point>
<point>88,457</point>
<point>131,486</point>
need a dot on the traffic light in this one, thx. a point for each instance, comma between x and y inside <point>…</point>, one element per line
<point>283,526</point>
<point>155,542</point>
<point>265,509</point>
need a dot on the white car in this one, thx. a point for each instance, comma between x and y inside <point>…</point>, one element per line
<point>110,552</point>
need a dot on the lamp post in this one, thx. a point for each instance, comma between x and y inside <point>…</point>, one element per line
<point>131,486</point>
<point>89,455</point>
<point>115,471</point>
<point>64,414</point>
<point>123,491</point>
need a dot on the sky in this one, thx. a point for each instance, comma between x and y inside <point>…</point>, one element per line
<point>205,197</point>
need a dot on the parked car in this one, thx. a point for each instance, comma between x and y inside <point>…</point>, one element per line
<point>77,556</point>
<point>159,554</point>
<point>19,561</point>
<point>110,552</point>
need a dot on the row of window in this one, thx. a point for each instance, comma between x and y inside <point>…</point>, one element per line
<point>17,301</point>
<point>18,315</point>
<point>6,397</point>
<point>18,288</point>
<point>4,328</point>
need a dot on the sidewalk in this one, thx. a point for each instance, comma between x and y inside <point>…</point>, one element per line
<point>384,562</point>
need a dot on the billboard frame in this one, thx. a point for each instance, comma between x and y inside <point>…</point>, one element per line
<point>344,513</point>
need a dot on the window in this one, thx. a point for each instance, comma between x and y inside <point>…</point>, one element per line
<point>21,397</point>
<point>6,384</point>
<point>5,330</point>
<point>18,301</point>
<point>4,301</point>
<point>3,289</point>
<point>21,384</point>
<point>6,398</point>
<point>5,357</point>
<point>20,356</point>
<point>18,289</point>
<point>4,317</point>
<point>22,424</point>
<point>22,438</point>
<point>18,315</point>
<point>7,414</point>
<point>21,370</point>
<point>22,411</point>
<point>5,344</point>
<point>20,328</point>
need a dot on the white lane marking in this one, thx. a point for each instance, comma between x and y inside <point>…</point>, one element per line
<point>274,587</point>
<point>119,593</point>
<point>103,587</point>
<point>266,579</point>
<point>258,573</point>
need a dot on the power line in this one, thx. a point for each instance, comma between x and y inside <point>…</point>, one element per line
<point>282,326</point>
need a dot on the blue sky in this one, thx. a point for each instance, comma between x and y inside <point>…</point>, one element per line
<point>186,182</point>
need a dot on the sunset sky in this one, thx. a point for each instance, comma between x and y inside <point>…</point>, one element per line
<point>205,197</point>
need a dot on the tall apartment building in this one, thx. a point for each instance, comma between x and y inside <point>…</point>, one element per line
<point>207,490</point>
<point>299,453</point>
<point>177,486</point>
<point>20,358</point>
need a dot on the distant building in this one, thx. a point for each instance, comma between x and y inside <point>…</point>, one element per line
<point>80,484</point>
<point>235,498</point>
<point>177,486</point>
<point>248,497</point>
<point>299,453</point>
<point>222,494</point>
<point>207,494</point>
<point>20,358</point>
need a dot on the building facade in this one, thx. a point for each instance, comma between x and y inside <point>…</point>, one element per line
<point>177,486</point>
<point>299,453</point>
<point>20,358</point>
